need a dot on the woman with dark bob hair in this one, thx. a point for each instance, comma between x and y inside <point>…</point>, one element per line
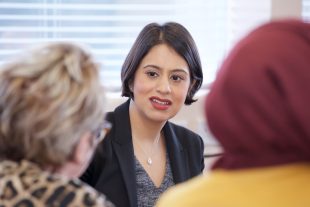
<point>144,153</point>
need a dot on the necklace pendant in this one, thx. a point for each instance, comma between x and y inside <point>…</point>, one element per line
<point>149,161</point>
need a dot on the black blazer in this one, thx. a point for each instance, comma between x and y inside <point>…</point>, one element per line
<point>112,170</point>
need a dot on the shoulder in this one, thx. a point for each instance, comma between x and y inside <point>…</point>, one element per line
<point>80,193</point>
<point>33,186</point>
<point>190,193</point>
<point>88,196</point>
<point>120,114</point>
<point>120,109</point>
<point>184,134</point>
<point>180,129</point>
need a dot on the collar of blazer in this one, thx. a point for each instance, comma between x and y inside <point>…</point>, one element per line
<point>122,128</point>
<point>122,142</point>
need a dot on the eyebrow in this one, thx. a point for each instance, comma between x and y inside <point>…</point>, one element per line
<point>159,68</point>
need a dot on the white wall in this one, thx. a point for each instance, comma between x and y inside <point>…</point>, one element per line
<point>286,8</point>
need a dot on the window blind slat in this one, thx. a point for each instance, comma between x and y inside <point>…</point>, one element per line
<point>110,29</point>
<point>93,18</point>
<point>147,5</point>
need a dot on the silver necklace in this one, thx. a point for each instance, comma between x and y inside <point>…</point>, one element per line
<point>149,160</point>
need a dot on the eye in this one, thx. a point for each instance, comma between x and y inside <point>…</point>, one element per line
<point>177,78</point>
<point>151,74</point>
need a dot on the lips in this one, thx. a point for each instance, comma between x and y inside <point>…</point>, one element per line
<point>160,104</point>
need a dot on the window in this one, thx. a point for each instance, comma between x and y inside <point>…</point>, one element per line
<point>109,27</point>
<point>306,10</point>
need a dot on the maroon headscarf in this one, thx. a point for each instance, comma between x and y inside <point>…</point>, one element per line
<point>259,105</point>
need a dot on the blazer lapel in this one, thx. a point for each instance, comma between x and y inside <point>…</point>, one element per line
<point>177,155</point>
<point>124,150</point>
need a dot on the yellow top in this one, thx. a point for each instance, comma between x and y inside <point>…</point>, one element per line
<point>281,186</point>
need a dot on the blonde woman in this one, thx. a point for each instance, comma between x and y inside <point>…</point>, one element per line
<point>50,123</point>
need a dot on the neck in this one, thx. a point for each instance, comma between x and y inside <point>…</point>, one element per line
<point>68,170</point>
<point>150,130</point>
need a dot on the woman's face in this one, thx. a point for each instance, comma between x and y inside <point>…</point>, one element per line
<point>160,84</point>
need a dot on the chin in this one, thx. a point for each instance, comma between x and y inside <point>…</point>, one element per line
<point>161,118</point>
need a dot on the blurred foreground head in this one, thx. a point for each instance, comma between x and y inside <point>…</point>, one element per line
<point>50,104</point>
<point>258,107</point>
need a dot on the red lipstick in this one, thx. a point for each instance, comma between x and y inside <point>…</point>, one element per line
<point>160,104</point>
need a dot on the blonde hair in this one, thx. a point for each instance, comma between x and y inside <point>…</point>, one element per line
<point>48,99</point>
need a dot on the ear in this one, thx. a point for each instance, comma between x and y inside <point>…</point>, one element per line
<point>83,149</point>
<point>191,86</point>
<point>130,86</point>
<point>79,158</point>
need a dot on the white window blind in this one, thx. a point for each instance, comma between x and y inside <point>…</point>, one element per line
<point>244,15</point>
<point>109,27</point>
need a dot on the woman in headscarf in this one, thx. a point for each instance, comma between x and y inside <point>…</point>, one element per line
<point>258,110</point>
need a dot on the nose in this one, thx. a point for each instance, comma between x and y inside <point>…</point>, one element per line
<point>164,86</point>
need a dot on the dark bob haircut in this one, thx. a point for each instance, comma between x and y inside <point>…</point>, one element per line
<point>175,36</point>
